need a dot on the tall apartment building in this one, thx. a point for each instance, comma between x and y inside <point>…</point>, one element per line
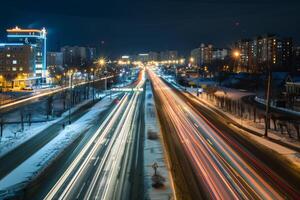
<point>206,54</point>
<point>75,56</point>
<point>269,50</point>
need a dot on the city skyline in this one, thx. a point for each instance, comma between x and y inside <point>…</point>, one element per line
<point>132,27</point>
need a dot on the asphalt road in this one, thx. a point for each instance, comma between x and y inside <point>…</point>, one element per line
<point>102,167</point>
<point>225,165</point>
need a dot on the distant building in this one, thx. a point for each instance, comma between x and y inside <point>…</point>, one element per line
<point>143,57</point>
<point>54,59</point>
<point>246,60</point>
<point>269,50</point>
<point>296,59</point>
<point>220,54</point>
<point>153,56</point>
<point>206,54</point>
<point>75,56</point>
<point>168,55</point>
<point>17,64</point>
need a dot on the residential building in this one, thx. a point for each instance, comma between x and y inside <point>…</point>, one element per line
<point>153,56</point>
<point>206,54</point>
<point>17,62</point>
<point>76,56</point>
<point>256,55</point>
<point>220,54</point>
<point>168,55</point>
<point>54,59</point>
<point>37,39</point>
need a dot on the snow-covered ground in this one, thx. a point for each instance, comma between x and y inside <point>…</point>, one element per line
<point>154,152</point>
<point>27,170</point>
<point>13,136</point>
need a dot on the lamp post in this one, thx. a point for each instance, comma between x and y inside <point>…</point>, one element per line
<point>268,93</point>
<point>71,95</point>
<point>236,56</point>
<point>102,62</point>
<point>93,73</point>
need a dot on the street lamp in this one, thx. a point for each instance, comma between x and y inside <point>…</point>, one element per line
<point>70,73</point>
<point>192,60</point>
<point>236,55</point>
<point>102,63</point>
<point>93,73</point>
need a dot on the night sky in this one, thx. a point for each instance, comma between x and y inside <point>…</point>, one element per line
<point>140,26</point>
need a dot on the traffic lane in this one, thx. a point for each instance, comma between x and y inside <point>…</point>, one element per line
<point>210,173</point>
<point>72,173</point>
<point>279,172</point>
<point>44,182</point>
<point>102,186</point>
<point>180,104</point>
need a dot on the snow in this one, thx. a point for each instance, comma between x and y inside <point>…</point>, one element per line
<point>38,161</point>
<point>154,152</point>
<point>13,137</point>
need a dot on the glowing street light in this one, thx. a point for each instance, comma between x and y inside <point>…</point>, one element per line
<point>102,63</point>
<point>236,54</point>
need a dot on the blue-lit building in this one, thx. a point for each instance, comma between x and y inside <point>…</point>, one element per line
<point>37,39</point>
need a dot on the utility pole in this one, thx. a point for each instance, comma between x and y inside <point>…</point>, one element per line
<point>268,92</point>
<point>93,72</point>
<point>70,99</point>
<point>268,102</point>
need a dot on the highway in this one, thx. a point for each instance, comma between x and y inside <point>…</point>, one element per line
<point>100,170</point>
<point>224,168</point>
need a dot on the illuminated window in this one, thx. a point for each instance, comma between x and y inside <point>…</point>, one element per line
<point>8,55</point>
<point>14,62</point>
<point>14,69</point>
<point>21,68</point>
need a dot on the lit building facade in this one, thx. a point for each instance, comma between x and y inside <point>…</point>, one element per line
<point>259,53</point>
<point>16,65</point>
<point>37,39</point>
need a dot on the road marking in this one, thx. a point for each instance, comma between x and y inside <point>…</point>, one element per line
<point>210,142</point>
<point>96,161</point>
<point>77,197</point>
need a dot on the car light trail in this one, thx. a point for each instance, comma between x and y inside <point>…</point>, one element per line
<point>219,162</point>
